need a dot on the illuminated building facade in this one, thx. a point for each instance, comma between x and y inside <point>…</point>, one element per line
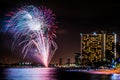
<point>94,46</point>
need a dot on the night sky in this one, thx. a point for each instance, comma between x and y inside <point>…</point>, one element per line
<point>73,17</point>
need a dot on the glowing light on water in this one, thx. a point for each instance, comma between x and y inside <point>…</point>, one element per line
<point>30,74</point>
<point>34,29</point>
<point>115,77</point>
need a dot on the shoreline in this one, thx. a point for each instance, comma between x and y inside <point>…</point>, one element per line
<point>99,71</point>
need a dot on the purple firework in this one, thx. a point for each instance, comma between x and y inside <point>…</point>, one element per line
<point>34,29</point>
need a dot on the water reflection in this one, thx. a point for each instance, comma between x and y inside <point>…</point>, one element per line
<point>115,77</point>
<point>30,74</point>
<point>51,74</point>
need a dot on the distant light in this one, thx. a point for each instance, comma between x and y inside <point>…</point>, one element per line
<point>113,66</point>
<point>80,33</point>
<point>94,33</point>
<point>113,32</point>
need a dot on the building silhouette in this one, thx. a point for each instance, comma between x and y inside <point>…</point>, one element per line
<point>77,58</point>
<point>94,46</point>
<point>60,61</point>
<point>68,61</point>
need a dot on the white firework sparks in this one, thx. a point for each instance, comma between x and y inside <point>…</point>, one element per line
<point>34,29</point>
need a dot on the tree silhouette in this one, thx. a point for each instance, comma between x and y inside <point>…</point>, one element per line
<point>109,55</point>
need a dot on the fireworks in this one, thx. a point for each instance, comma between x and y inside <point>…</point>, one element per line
<point>34,29</point>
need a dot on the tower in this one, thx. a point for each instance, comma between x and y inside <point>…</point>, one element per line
<point>68,61</point>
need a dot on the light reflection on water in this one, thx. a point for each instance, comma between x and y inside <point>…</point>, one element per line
<point>30,74</point>
<point>115,77</point>
<point>51,74</point>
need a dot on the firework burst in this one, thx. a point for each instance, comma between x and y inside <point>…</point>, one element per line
<point>34,29</point>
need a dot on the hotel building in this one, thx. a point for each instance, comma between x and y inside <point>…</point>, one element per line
<point>94,46</point>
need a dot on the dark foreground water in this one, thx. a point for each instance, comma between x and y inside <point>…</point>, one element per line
<point>51,74</point>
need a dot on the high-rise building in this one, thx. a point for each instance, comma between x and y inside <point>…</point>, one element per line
<point>68,61</point>
<point>94,46</point>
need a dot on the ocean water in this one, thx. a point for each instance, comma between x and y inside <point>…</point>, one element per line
<point>51,74</point>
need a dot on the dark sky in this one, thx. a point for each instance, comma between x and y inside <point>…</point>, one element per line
<point>73,17</point>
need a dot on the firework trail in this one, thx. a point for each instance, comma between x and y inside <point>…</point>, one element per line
<point>34,29</point>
